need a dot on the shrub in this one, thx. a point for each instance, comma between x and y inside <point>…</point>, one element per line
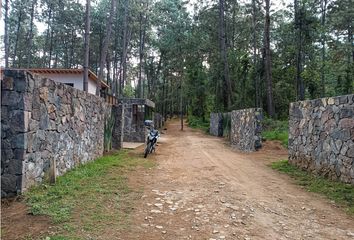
<point>276,130</point>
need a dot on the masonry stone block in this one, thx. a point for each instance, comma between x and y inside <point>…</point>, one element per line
<point>20,84</point>
<point>216,124</point>
<point>246,129</point>
<point>7,83</point>
<point>8,185</point>
<point>10,99</point>
<point>19,141</point>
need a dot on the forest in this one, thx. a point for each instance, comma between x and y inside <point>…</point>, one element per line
<point>191,56</point>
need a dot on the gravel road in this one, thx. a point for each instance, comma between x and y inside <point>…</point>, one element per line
<point>202,189</point>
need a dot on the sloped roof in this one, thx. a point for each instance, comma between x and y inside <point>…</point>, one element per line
<point>92,75</point>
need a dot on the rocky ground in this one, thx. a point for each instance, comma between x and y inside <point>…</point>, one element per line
<point>202,189</point>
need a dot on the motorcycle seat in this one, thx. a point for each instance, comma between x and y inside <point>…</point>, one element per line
<point>155,132</point>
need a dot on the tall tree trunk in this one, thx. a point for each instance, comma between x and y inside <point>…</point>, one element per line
<point>233,31</point>
<point>115,75</point>
<point>300,90</point>
<point>108,66</point>
<point>66,52</point>
<point>50,48</point>
<point>19,21</point>
<point>87,44</point>
<point>268,66</point>
<point>140,82</point>
<point>181,102</point>
<point>349,88</point>
<point>296,39</point>
<point>56,57</point>
<point>6,33</point>
<point>154,76</point>
<point>120,78</point>
<point>323,42</point>
<point>223,52</point>
<point>164,86</point>
<point>30,35</point>
<point>149,79</point>
<point>350,35</point>
<point>47,35</point>
<point>72,46</point>
<point>117,54</point>
<point>255,65</point>
<point>125,47</point>
<point>171,93</point>
<point>164,97</point>
<point>141,54</point>
<point>106,42</point>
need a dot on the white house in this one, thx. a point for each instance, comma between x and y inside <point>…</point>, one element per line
<point>72,77</point>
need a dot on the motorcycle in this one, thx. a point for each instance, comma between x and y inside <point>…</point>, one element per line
<point>151,139</point>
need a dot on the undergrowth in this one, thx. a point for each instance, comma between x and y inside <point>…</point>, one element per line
<point>276,130</point>
<point>341,193</point>
<point>198,123</point>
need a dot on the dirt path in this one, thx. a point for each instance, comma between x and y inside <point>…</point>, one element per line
<point>202,189</point>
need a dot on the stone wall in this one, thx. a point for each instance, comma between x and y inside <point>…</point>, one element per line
<point>246,129</point>
<point>321,136</point>
<point>216,124</point>
<point>47,128</point>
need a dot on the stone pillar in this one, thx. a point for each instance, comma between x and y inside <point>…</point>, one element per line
<point>246,129</point>
<point>216,124</point>
<point>14,129</point>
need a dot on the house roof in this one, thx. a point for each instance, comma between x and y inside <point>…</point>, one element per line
<point>92,75</point>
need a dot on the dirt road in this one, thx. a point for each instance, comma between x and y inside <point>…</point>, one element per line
<point>202,189</point>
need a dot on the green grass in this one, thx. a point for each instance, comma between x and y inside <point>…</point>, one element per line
<point>341,193</point>
<point>281,136</point>
<point>61,238</point>
<point>198,123</point>
<point>276,130</point>
<point>89,198</point>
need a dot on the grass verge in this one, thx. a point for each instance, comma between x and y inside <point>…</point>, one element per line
<point>281,136</point>
<point>340,193</point>
<point>90,199</point>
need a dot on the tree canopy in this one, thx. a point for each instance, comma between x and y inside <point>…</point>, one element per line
<point>195,57</point>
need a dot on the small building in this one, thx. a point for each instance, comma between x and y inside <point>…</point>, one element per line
<point>71,77</point>
<point>136,111</point>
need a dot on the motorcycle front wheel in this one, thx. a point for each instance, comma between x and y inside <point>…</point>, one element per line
<point>147,149</point>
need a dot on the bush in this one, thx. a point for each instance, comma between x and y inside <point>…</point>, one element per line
<point>196,122</point>
<point>276,130</point>
<point>270,124</point>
